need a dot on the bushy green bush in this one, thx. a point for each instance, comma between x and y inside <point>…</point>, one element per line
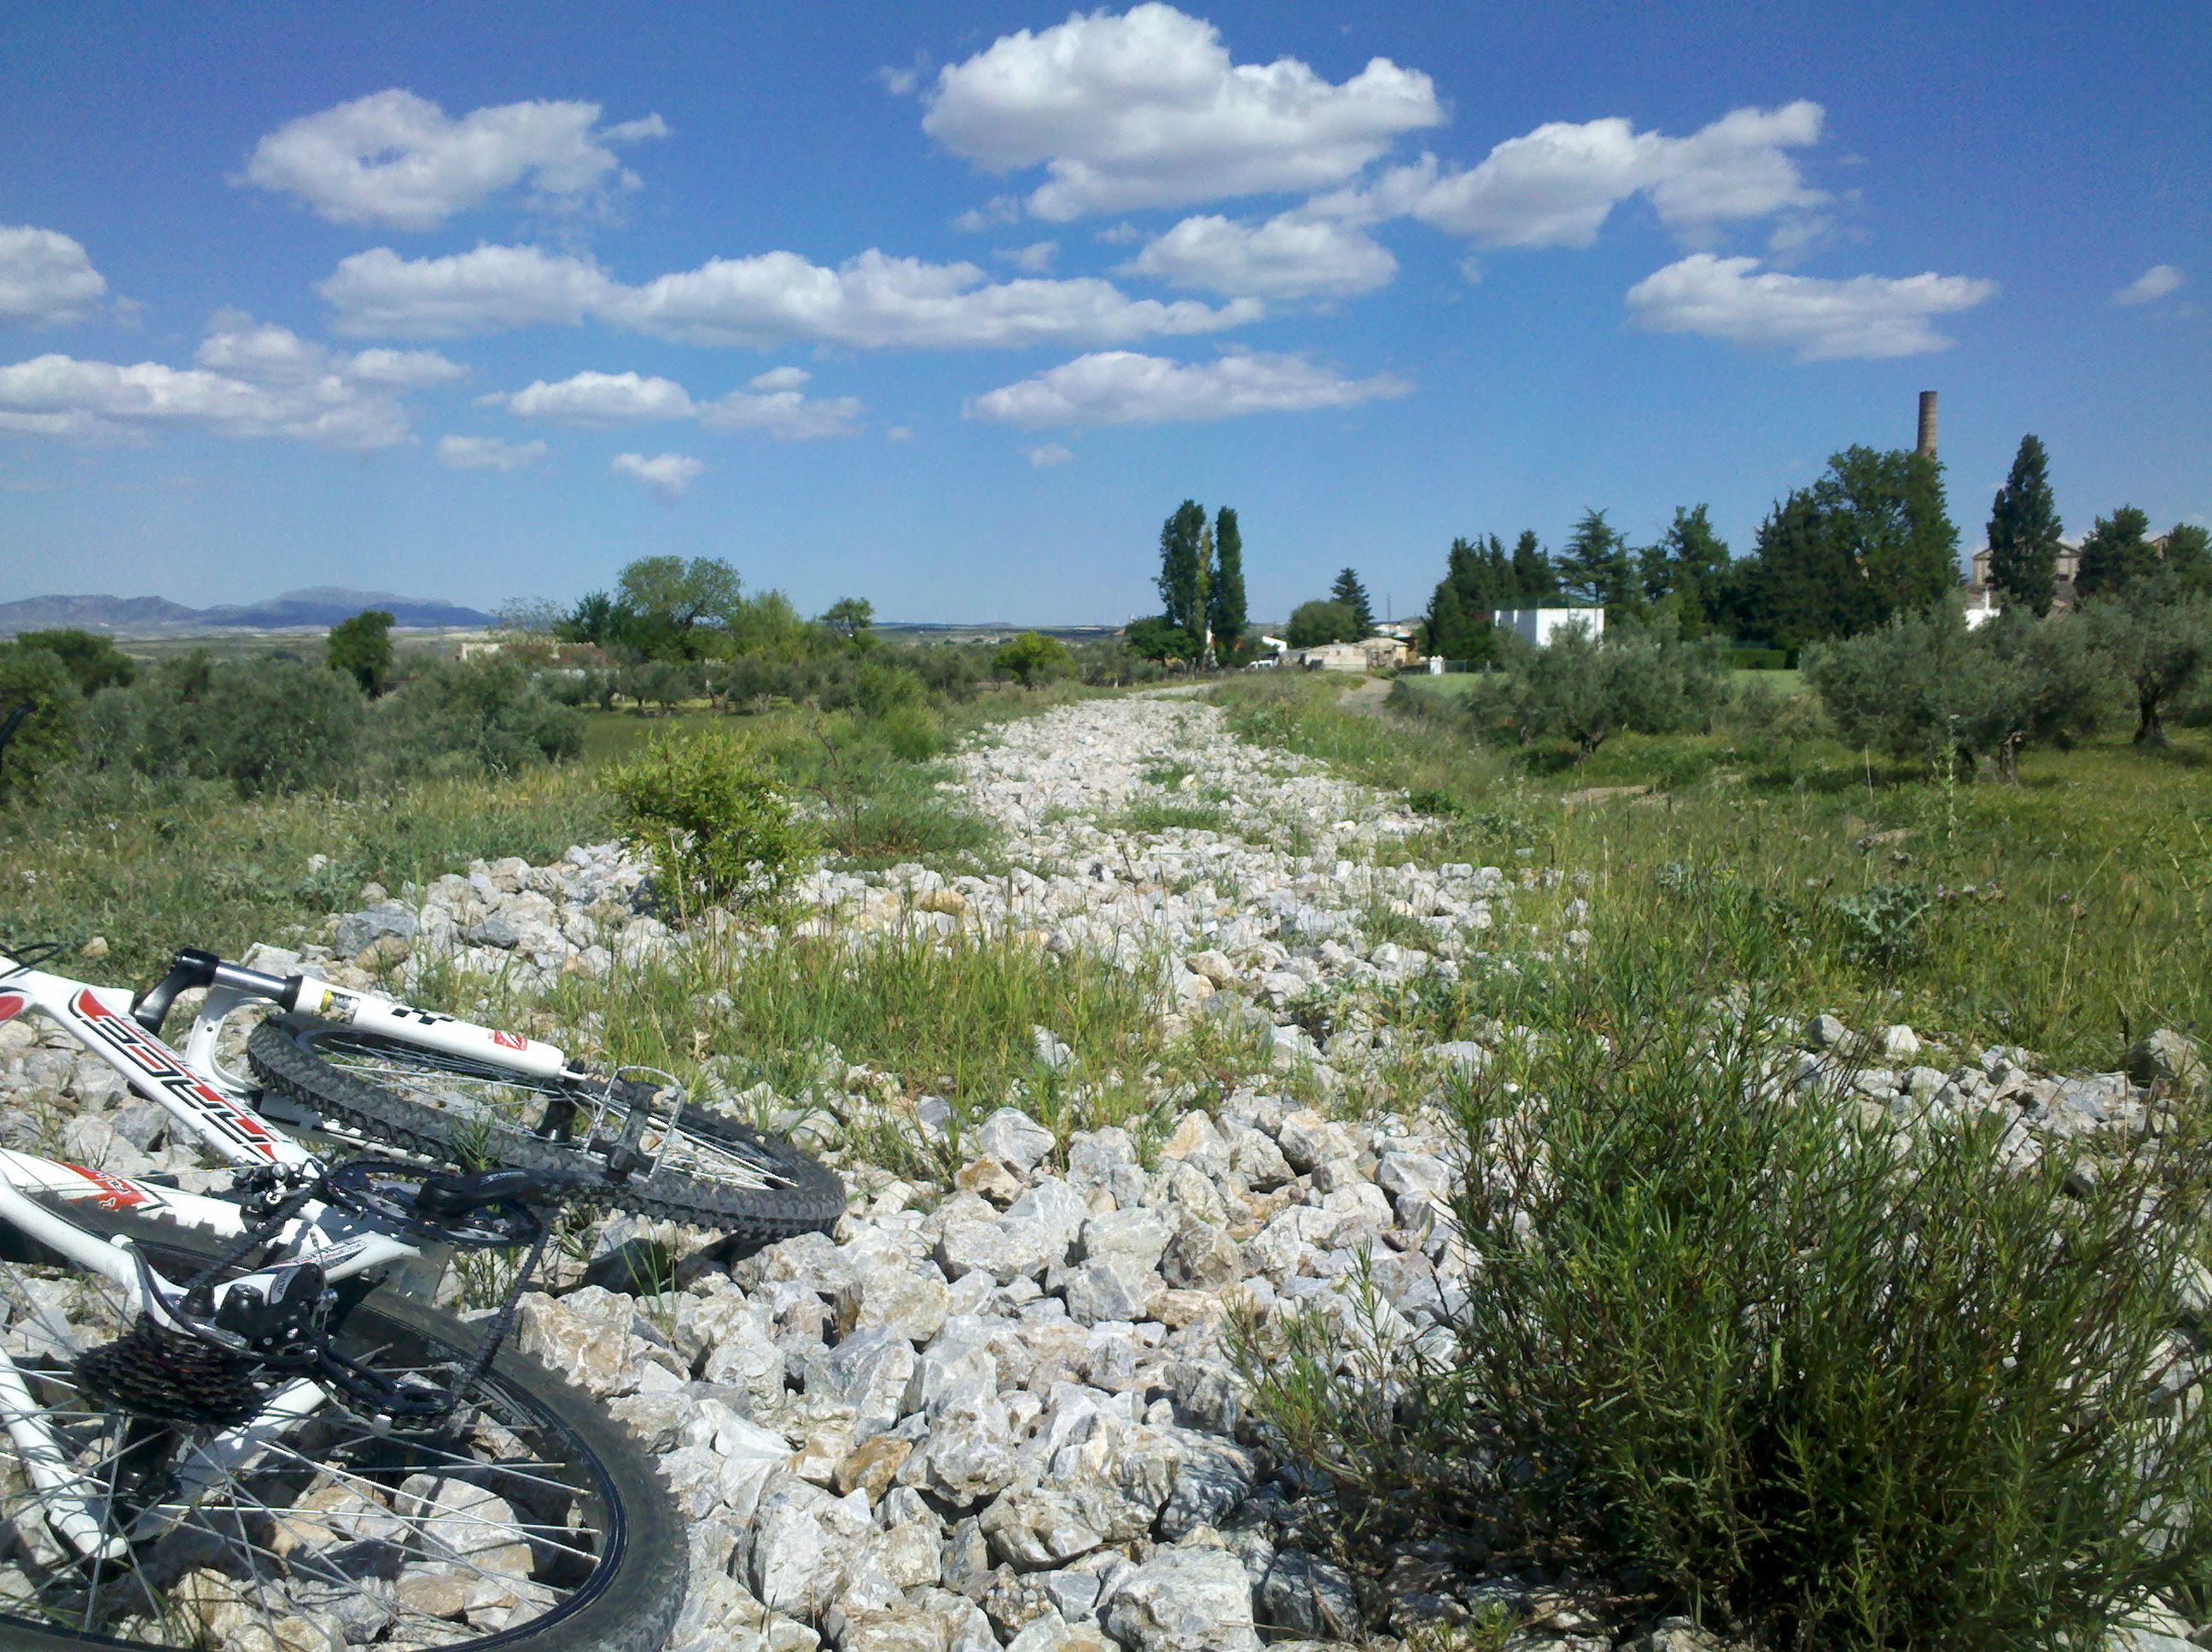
<point>93,659</point>
<point>1926,687</point>
<point>1033,658</point>
<point>2155,639</point>
<point>1581,690</point>
<point>718,828</point>
<point>270,726</point>
<point>473,716</point>
<point>46,739</point>
<point>1722,1344</point>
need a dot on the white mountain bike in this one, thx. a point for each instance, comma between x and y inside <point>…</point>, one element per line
<point>226,1423</point>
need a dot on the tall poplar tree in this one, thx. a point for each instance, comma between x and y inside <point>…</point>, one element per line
<point>1182,572</point>
<point>1224,602</point>
<point>2024,529</point>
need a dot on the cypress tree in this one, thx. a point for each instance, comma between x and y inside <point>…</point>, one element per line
<point>1224,610</point>
<point>1535,577</point>
<point>1183,576</point>
<point>2024,529</point>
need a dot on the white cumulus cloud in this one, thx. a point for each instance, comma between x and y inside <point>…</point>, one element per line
<point>870,301</point>
<point>668,475</point>
<point>398,160</point>
<point>1555,186</point>
<point>1044,457</point>
<point>1863,316</point>
<point>406,369</point>
<point>1288,257</point>
<point>601,400</point>
<point>380,292</point>
<point>1147,109</point>
<point>784,413</point>
<point>250,379</point>
<point>607,400</point>
<point>1124,387</point>
<point>2153,284</point>
<point>489,453</point>
<point>45,277</point>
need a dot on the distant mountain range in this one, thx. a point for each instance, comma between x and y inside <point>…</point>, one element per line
<point>318,606</point>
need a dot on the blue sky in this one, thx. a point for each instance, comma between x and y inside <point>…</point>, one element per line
<point>948,306</point>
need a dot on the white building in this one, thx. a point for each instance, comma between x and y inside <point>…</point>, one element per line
<point>1538,626</point>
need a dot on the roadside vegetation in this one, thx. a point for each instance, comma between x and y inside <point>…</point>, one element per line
<point>217,801</point>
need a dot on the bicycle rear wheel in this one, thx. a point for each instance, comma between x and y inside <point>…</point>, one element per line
<point>533,1521</point>
<point>711,1171</point>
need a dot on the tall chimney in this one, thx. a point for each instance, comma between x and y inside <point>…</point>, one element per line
<point>1927,422</point>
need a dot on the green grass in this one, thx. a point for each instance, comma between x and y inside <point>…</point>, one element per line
<point>952,1018</point>
<point>2067,912</point>
<point>151,869</point>
<point>1143,814</point>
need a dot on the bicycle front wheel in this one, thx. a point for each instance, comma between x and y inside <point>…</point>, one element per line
<point>530,1519</point>
<point>704,1169</point>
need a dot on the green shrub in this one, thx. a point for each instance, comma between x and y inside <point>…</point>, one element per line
<point>270,726</point>
<point>1033,658</point>
<point>94,660</point>
<point>47,738</point>
<point>1581,690</point>
<point>471,717</point>
<point>716,827</point>
<point>1757,659</point>
<point>1720,1341</point>
<point>1925,687</point>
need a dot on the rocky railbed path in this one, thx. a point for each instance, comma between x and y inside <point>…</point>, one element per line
<point>1002,1409</point>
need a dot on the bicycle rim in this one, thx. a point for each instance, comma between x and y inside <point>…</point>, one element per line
<point>325,1531</point>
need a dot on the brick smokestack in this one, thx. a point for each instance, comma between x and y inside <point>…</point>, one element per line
<point>1928,423</point>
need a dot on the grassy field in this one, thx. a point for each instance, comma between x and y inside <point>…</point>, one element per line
<point>2066,913</point>
<point>1457,685</point>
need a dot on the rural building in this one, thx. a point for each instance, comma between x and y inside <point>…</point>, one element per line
<point>1538,626</point>
<point>1377,653</point>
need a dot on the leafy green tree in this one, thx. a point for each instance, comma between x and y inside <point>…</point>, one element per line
<point>1596,568</point>
<point>1224,602</point>
<point>2186,553</point>
<point>849,616</point>
<point>1535,575</point>
<point>1033,658</point>
<point>1886,511</point>
<point>2116,553</point>
<point>94,660</point>
<point>1802,583</point>
<point>1923,686</point>
<point>2024,529</point>
<point>1182,568</point>
<point>361,648</point>
<point>1314,623</point>
<point>1154,638</point>
<point>1348,591</point>
<point>2156,635</point>
<point>37,683</point>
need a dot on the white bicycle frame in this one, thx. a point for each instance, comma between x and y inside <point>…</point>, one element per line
<point>217,1108</point>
